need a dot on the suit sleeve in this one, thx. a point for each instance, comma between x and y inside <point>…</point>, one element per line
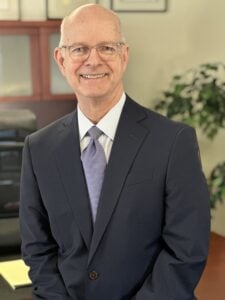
<point>186,229</point>
<point>39,249</point>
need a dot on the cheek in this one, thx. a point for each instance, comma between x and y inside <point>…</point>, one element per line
<point>71,71</point>
<point>118,67</point>
<point>69,66</point>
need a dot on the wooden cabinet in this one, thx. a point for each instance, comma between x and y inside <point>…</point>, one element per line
<point>27,68</point>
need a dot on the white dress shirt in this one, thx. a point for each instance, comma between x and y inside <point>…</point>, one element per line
<point>108,125</point>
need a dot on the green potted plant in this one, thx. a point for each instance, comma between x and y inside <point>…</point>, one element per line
<point>197,98</point>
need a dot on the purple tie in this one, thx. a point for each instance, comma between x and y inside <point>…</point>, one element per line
<point>94,163</point>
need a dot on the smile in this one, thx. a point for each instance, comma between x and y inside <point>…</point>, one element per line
<point>93,76</point>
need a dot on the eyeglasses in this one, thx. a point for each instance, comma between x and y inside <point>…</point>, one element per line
<point>106,51</point>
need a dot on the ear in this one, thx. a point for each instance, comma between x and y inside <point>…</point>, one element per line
<point>125,56</point>
<point>59,58</point>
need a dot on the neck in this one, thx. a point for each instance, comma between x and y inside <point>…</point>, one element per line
<point>96,109</point>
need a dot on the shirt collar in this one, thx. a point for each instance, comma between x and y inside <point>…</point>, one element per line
<point>108,124</point>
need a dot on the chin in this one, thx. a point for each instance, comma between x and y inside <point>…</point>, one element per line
<point>94,94</point>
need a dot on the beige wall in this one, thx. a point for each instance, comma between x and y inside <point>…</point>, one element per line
<point>164,44</point>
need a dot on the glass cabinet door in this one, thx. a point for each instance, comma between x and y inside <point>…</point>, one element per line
<point>28,70</point>
<point>15,66</point>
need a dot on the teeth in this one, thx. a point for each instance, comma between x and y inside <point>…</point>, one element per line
<point>93,76</point>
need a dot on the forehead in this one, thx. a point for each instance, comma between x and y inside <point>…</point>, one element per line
<point>91,30</point>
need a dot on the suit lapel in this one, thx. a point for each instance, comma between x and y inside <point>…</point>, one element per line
<point>71,172</point>
<point>129,137</point>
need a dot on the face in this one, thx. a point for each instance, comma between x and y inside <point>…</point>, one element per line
<point>94,77</point>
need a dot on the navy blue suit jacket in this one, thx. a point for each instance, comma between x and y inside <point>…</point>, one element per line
<point>150,239</point>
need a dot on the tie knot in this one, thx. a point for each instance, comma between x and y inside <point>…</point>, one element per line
<point>94,132</point>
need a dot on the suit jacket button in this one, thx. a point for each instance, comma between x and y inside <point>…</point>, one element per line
<point>93,275</point>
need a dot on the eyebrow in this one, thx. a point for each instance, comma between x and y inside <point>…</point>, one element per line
<point>85,44</point>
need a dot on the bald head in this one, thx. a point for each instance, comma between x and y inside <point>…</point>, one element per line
<point>90,16</point>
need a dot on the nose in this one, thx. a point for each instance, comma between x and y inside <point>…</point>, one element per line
<point>93,57</point>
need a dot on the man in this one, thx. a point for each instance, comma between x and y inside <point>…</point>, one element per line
<point>144,233</point>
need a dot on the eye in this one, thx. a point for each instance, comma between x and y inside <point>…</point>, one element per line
<point>79,50</point>
<point>107,49</point>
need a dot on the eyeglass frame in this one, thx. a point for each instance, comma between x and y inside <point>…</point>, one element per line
<point>85,56</point>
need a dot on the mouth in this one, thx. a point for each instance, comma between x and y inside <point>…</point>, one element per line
<point>93,76</point>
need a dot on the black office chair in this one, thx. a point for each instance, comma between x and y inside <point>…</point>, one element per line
<point>15,125</point>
